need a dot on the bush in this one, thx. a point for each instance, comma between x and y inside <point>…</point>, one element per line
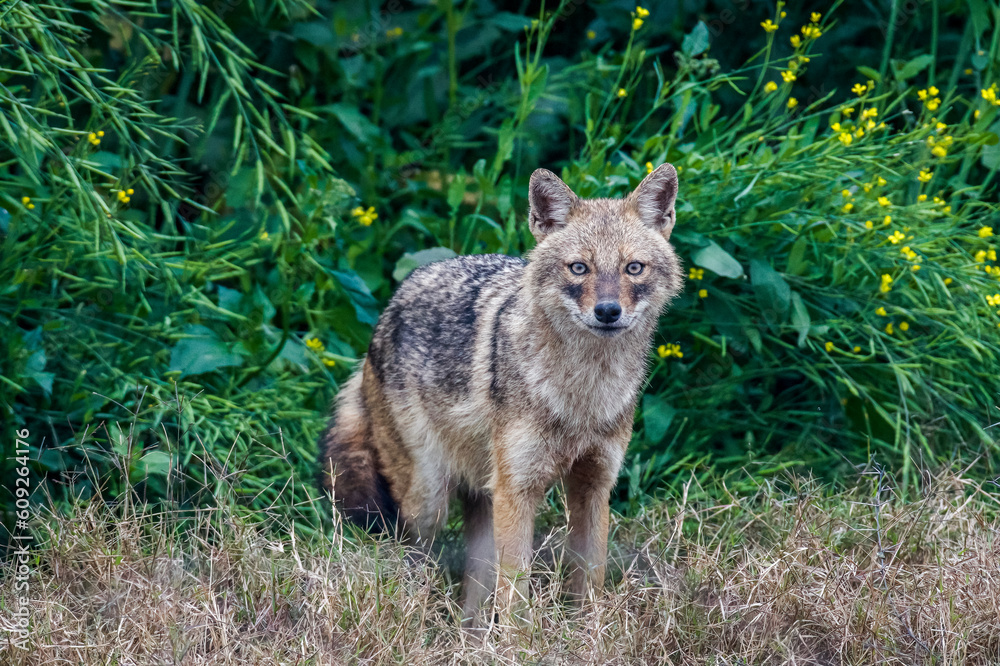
<point>206,207</point>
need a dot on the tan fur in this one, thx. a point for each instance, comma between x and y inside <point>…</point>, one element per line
<point>495,378</point>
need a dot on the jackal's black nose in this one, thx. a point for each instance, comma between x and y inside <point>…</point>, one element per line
<point>607,313</point>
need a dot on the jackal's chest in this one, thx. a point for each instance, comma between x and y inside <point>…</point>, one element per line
<point>587,397</point>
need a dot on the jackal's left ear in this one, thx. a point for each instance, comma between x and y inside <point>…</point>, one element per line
<point>654,199</point>
<point>550,200</point>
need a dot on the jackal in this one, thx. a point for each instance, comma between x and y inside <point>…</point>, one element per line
<point>494,377</point>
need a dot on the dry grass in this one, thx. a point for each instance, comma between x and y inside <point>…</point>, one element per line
<point>795,576</point>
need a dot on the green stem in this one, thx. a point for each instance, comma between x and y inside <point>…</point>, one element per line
<point>890,36</point>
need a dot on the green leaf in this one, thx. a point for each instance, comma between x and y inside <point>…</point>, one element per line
<point>903,71</point>
<point>870,73</point>
<point>657,415</point>
<point>717,260</point>
<point>800,318</point>
<point>456,190</point>
<point>409,261</point>
<point>154,463</point>
<point>365,305</point>
<point>772,292</point>
<point>509,21</point>
<point>35,370</point>
<point>991,152</point>
<point>353,121</point>
<point>202,352</point>
<point>696,41</point>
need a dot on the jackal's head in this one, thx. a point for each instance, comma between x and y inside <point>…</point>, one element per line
<point>603,265</point>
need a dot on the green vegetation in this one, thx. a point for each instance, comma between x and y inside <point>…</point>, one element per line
<point>206,204</point>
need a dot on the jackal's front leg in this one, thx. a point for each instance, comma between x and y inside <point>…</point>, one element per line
<point>513,524</point>
<point>588,489</point>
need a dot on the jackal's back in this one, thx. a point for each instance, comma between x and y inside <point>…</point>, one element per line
<point>426,338</point>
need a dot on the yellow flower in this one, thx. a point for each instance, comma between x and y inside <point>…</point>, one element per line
<point>815,17</point>
<point>394,32</point>
<point>939,151</point>
<point>796,41</point>
<point>886,285</point>
<point>868,224</point>
<point>696,273</point>
<point>329,362</point>
<point>947,281</point>
<point>848,207</point>
<point>811,32</point>
<point>769,26</point>
<point>788,76</point>
<point>641,12</point>
<point>985,232</point>
<point>315,344</point>
<point>925,175</point>
<point>990,95</point>
<point>847,110</point>
<point>881,312</point>
<point>95,138</point>
<point>264,236</point>
<point>887,220</point>
<point>980,256</point>
<point>859,89</point>
<point>770,87</point>
<point>870,112</point>
<point>26,202</point>
<point>992,254</point>
<point>636,23</point>
<point>867,187</point>
<point>915,267</point>
<point>921,197</point>
<point>845,193</point>
<point>828,346</point>
<point>845,138</point>
<point>896,236</point>
<point>703,293</point>
<point>365,217</point>
<point>881,182</point>
<point>859,132</point>
<point>888,328</point>
<point>668,350</point>
<point>933,91</point>
<point>884,201</point>
<point>993,300</point>
<point>933,104</point>
<point>857,349</point>
<point>792,103</point>
<point>649,167</point>
<point>591,34</point>
<point>622,92</point>
<point>940,127</point>
<point>904,326</point>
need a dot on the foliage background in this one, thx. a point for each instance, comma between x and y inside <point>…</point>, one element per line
<point>186,276</point>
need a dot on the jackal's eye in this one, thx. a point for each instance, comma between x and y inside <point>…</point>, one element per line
<point>634,268</point>
<point>578,268</point>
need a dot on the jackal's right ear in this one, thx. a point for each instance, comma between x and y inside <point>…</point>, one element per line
<point>550,200</point>
<point>654,199</point>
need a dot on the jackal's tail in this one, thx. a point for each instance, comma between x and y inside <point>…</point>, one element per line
<point>349,463</point>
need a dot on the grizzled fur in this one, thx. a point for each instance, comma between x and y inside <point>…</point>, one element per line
<point>492,377</point>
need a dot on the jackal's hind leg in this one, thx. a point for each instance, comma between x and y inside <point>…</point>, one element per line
<point>480,576</point>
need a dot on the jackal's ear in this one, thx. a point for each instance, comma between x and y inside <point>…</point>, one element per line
<point>654,199</point>
<point>550,200</point>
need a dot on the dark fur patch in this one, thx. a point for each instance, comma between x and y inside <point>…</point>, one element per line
<point>574,291</point>
<point>640,291</point>
<point>496,382</point>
